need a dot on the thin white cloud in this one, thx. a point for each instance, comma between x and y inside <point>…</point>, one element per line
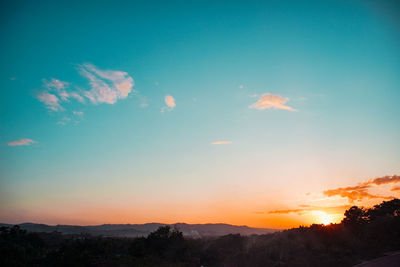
<point>221,143</point>
<point>107,86</point>
<point>64,121</point>
<point>78,113</point>
<point>58,86</point>
<point>170,102</point>
<point>54,83</point>
<point>253,95</point>
<point>268,101</point>
<point>51,101</point>
<point>22,142</point>
<point>77,97</point>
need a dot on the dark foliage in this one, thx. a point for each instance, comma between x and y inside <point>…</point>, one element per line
<point>363,234</point>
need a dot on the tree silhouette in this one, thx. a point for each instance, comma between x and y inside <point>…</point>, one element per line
<point>387,209</point>
<point>355,217</point>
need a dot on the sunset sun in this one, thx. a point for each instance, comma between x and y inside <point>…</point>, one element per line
<point>323,218</point>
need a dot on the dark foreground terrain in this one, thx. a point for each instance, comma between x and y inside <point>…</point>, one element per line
<point>363,234</point>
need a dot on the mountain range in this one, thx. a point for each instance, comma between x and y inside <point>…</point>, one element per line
<point>142,230</point>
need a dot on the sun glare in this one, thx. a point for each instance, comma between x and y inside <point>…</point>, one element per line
<point>323,217</point>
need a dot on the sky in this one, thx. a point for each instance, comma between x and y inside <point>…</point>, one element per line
<point>261,113</point>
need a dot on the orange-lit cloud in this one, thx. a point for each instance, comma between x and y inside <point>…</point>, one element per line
<point>395,189</point>
<point>170,102</point>
<point>384,180</point>
<point>22,142</point>
<point>360,191</point>
<point>222,143</point>
<point>353,193</point>
<point>286,211</point>
<point>268,101</point>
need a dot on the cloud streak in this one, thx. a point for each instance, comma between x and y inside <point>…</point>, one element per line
<point>268,101</point>
<point>221,143</point>
<point>384,180</point>
<point>354,193</point>
<point>395,189</point>
<point>21,142</point>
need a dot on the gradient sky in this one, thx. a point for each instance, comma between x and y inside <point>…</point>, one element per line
<point>243,112</point>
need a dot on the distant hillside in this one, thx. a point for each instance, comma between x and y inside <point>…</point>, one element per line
<point>138,230</point>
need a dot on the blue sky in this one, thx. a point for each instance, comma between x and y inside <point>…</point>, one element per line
<point>325,77</point>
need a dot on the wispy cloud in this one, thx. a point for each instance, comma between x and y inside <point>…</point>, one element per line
<point>55,83</point>
<point>50,100</point>
<point>222,143</point>
<point>78,113</point>
<point>107,86</point>
<point>22,142</point>
<point>268,101</point>
<point>77,97</point>
<point>55,93</point>
<point>57,86</point>
<point>64,121</point>
<point>360,191</point>
<point>170,102</point>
